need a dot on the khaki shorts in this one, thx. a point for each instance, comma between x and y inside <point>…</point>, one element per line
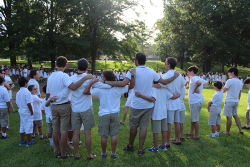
<point>4,117</point>
<point>230,109</point>
<point>38,123</point>
<point>195,110</point>
<point>86,118</point>
<point>158,126</point>
<point>248,114</point>
<point>139,117</point>
<point>182,116</point>
<point>173,116</point>
<point>109,125</point>
<point>49,127</point>
<point>214,116</point>
<point>61,117</point>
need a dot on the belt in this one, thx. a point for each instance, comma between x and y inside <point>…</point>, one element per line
<point>63,103</point>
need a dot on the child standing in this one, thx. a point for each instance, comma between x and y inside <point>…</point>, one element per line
<point>23,101</point>
<point>215,110</point>
<point>247,83</point>
<point>37,117</point>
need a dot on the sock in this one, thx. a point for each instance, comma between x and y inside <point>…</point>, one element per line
<point>33,135</point>
<point>51,141</point>
<point>213,134</point>
<point>41,136</point>
<point>247,126</point>
<point>4,134</point>
<point>217,133</point>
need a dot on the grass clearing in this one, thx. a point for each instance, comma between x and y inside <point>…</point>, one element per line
<point>230,150</point>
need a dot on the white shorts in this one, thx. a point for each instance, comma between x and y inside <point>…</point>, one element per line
<point>195,110</point>
<point>214,115</point>
<point>129,100</point>
<point>25,75</point>
<point>173,116</point>
<point>10,94</point>
<point>182,116</point>
<point>230,109</point>
<point>26,123</point>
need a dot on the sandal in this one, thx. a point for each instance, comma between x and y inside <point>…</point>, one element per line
<point>77,158</point>
<point>67,156</point>
<point>58,155</point>
<point>225,133</point>
<point>194,138</point>
<point>141,152</point>
<point>168,146</point>
<point>92,157</point>
<point>104,155</point>
<point>187,134</point>
<point>177,143</point>
<point>173,139</point>
<point>182,139</point>
<point>128,148</point>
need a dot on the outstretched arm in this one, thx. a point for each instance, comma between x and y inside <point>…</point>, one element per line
<point>80,82</point>
<point>87,89</point>
<point>175,96</point>
<point>150,99</point>
<point>169,80</point>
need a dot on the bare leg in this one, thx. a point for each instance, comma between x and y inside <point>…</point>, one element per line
<point>28,138</point>
<point>104,144</point>
<point>229,124</point>
<point>56,142</point>
<point>248,120</point>
<point>88,141</point>
<point>76,142</point>
<point>3,129</point>
<point>196,127</point>
<point>40,131</point>
<point>64,142</point>
<point>22,137</point>
<point>70,135</point>
<point>142,137</point>
<point>124,114</point>
<point>155,138</point>
<point>132,135</point>
<point>181,130</point>
<point>177,131</point>
<point>163,137</point>
<point>238,123</point>
<point>168,134</point>
<point>218,128</point>
<point>213,128</point>
<point>113,143</point>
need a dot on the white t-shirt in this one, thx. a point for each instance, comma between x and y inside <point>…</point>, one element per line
<point>217,98</point>
<point>109,99</point>
<point>161,96</point>
<point>4,97</point>
<point>174,88</point>
<point>47,111</point>
<point>248,100</point>
<point>143,84</point>
<point>23,97</point>
<point>7,79</point>
<point>56,83</point>
<point>25,72</point>
<point>234,87</point>
<point>81,102</point>
<point>34,82</point>
<point>195,97</point>
<point>37,108</point>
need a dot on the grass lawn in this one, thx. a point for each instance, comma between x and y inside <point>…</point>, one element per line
<point>230,150</point>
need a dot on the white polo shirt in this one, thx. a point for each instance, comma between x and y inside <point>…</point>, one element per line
<point>23,97</point>
<point>195,97</point>
<point>109,99</point>
<point>34,82</point>
<point>81,102</point>
<point>217,98</point>
<point>234,87</point>
<point>143,84</point>
<point>47,111</point>
<point>174,88</point>
<point>56,83</point>
<point>37,108</point>
<point>4,97</point>
<point>161,96</point>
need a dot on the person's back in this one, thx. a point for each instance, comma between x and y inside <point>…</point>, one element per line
<point>234,87</point>
<point>194,97</point>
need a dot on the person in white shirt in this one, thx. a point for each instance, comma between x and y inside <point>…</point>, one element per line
<point>248,77</point>
<point>140,109</point>
<point>196,99</point>
<point>247,83</point>
<point>25,72</point>
<point>224,78</point>
<point>173,109</point>
<point>233,88</point>
<point>37,115</point>
<point>34,76</point>
<point>23,102</point>
<point>159,121</point>
<point>61,109</point>
<point>109,111</point>
<point>120,76</point>
<point>6,80</point>
<point>4,108</point>
<point>83,112</point>
<point>47,111</point>
<point>215,110</point>
<point>127,105</point>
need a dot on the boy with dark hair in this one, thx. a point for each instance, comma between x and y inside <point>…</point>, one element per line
<point>34,76</point>
<point>247,83</point>
<point>23,101</point>
<point>4,108</point>
<point>109,110</point>
<point>233,88</point>
<point>215,110</point>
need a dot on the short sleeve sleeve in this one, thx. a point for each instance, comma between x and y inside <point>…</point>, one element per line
<point>169,95</point>
<point>6,96</point>
<point>214,99</point>
<point>28,97</point>
<point>183,83</point>
<point>228,84</point>
<point>128,75</point>
<point>124,89</point>
<point>193,79</point>
<point>156,76</point>
<point>95,92</point>
<point>37,99</point>
<point>154,94</point>
<point>43,105</point>
<point>101,85</point>
<point>66,80</point>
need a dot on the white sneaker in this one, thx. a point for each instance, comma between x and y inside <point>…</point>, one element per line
<point>217,136</point>
<point>210,136</point>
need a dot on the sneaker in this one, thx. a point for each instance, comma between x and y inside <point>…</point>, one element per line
<point>23,143</point>
<point>80,143</point>
<point>210,136</point>
<point>31,143</point>
<point>33,136</point>
<point>41,138</point>
<point>153,149</point>
<point>164,148</point>
<point>70,143</point>
<point>113,156</point>
<point>7,136</point>
<point>104,155</point>
<point>217,136</point>
<point>244,127</point>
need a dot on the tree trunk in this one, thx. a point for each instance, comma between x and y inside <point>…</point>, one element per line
<point>93,47</point>
<point>236,60</point>
<point>222,67</point>
<point>30,62</point>
<point>181,60</point>
<point>52,61</point>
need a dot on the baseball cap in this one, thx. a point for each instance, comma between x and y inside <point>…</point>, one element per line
<point>82,64</point>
